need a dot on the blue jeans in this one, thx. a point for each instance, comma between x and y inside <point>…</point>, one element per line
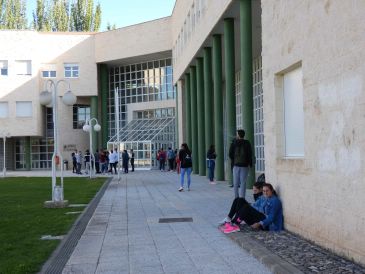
<point>239,180</point>
<point>211,166</point>
<point>188,172</point>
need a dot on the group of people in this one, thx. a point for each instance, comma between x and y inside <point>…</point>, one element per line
<point>265,213</point>
<point>169,156</point>
<point>105,161</point>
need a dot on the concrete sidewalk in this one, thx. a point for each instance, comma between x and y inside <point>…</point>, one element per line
<point>124,234</point>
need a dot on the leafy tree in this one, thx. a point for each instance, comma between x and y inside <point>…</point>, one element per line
<point>110,27</point>
<point>83,17</point>
<point>60,15</point>
<point>42,16</point>
<point>13,14</point>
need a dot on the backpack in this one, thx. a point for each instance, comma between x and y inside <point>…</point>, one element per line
<point>187,160</point>
<point>239,154</point>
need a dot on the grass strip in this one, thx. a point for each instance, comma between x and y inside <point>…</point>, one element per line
<point>23,219</point>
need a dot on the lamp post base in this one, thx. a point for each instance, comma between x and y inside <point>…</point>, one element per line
<point>54,204</point>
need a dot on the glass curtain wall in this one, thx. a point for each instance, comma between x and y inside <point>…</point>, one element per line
<point>137,83</point>
<point>258,112</point>
<point>41,148</point>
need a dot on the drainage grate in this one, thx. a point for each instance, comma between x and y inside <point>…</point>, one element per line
<point>175,220</point>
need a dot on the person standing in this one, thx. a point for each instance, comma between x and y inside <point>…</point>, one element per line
<point>125,159</point>
<point>240,153</point>
<point>103,163</point>
<point>116,159</point>
<point>97,161</point>
<point>87,162</point>
<point>74,162</point>
<point>111,161</point>
<point>171,158</point>
<point>78,162</point>
<point>132,160</point>
<point>211,155</point>
<point>186,165</point>
<point>162,159</point>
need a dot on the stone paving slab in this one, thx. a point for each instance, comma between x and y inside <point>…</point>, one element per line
<point>126,237</point>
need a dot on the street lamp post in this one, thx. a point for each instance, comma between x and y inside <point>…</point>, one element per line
<point>47,98</point>
<point>89,128</point>
<point>4,136</point>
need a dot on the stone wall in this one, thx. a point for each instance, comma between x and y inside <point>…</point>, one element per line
<point>323,192</point>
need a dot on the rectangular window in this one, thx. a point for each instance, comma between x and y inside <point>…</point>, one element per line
<point>81,113</point>
<point>71,70</point>
<point>4,110</point>
<point>293,113</point>
<point>49,71</point>
<point>23,67</point>
<point>3,67</point>
<point>24,109</point>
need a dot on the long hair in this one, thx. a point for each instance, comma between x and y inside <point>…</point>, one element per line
<point>186,148</point>
<point>271,188</point>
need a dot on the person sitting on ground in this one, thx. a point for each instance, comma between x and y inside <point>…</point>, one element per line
<point>238,204</point>
<point>266,213</point>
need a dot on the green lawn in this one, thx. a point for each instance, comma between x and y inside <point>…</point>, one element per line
<point>23,220</point>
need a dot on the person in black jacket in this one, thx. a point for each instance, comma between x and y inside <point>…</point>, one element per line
<point>186,165</point>
<point>240,154</point>
<point>211,155</point>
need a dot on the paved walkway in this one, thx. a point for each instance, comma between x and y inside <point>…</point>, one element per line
<point>125,236</point>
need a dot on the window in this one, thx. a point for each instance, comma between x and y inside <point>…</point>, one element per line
<point>24,109</point>
<point>81,113</point>
<point>49,71</point>
<point>3,67</point>
<point>4,109</point>
<point>71,70</point>
<point>23,67</point>
<point>293,113</point>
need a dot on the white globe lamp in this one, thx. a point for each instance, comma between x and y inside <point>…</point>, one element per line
<point>69,98</point>
<point>45,98</point>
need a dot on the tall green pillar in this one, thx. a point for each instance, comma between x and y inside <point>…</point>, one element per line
<point>94,114</point>
<point>246,78</point>
<point>28,164</point>
<point>187,110</point>
<point>103,77</point>
<point>200,112</point>
<point>208,98</point>
<point>229,68</point>
<point>177,115</point>
<point>218,106</point>
<point>194,120</point>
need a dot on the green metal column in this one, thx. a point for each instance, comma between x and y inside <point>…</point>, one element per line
<point>208,98</point>
<point>94,114</point>
<point>27,153</point>
<point>177,114</point>
<point>103,76</point>
<point>218,106</point>
<point>200,112</point>
<point>194,120</point>
<point>187,110</point>
<point>246,78</point>
<point>229,68</point>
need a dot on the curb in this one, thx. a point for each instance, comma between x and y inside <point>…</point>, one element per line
<point>273,262</point>
<point>57,261</point>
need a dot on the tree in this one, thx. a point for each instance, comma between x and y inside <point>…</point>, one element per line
<point>83,17</point>
<point>42,16</point>
<point>110,27</point>
<point>60,15</point>
<point>13,14</point>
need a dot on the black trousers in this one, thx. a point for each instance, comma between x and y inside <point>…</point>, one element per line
<point>171,164</point>
<point>132,163</point>
<point>242,209</point>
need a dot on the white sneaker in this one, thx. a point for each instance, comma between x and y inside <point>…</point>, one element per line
<point>225,220</point>
<point>181,189</point>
